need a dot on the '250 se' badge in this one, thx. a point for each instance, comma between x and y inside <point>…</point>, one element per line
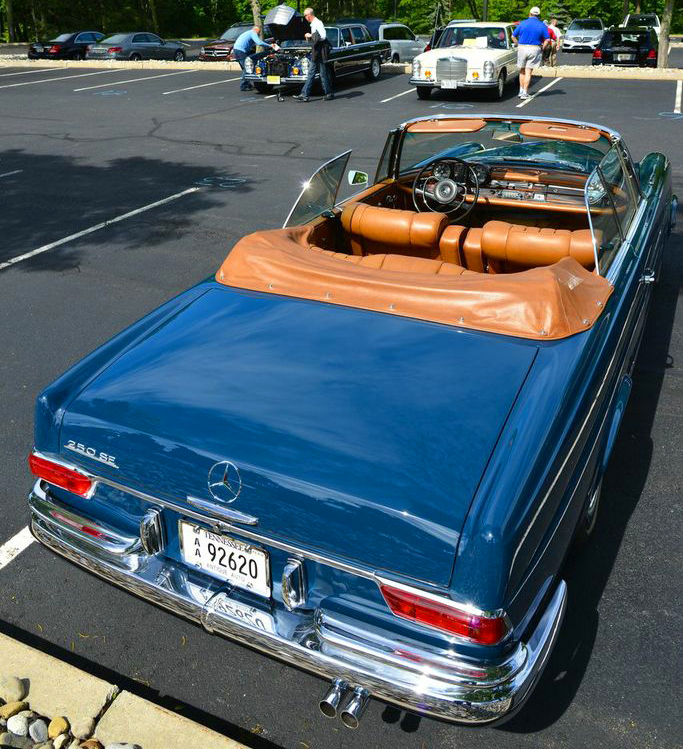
<point>90,452</point>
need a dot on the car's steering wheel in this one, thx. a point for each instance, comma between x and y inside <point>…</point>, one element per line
<point>443,186</point>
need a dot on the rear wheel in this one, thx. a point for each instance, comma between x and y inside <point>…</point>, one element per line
<point>135,57</point>
<point>262,88</point>
<point>424,92</point>
<point>179,56</point>
<point>395,58</point>
<point>589,516</point>
<point>499,90</point>
<point>78,56</point>
<point>375,69</point>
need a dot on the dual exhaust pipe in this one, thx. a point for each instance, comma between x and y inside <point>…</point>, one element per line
<point>354,707</point>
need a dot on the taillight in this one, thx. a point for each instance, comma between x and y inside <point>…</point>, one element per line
<point>427,48</point>
<point>444,615</point>
<point>597,55</point>
<point>66,478</point>
<point>111,50</point>
<point>54,49</point>
<point>652,55</point>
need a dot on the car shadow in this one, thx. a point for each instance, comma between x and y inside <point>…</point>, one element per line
<point>588,571</point>
<point>53,197</point>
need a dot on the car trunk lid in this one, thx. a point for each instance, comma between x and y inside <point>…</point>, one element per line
<point>356,434</point>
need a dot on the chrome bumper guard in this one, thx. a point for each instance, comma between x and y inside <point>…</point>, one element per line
<point>426,681</point>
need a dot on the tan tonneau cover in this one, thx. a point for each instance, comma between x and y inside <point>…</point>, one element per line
<point>545,303</point>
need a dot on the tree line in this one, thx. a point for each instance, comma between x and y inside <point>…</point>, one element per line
<point>26,20</point>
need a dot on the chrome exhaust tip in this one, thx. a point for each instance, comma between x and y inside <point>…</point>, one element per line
<point>353,712</point>
<point>329,704</point>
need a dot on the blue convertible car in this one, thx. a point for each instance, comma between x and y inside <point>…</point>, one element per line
<point>366,446</point>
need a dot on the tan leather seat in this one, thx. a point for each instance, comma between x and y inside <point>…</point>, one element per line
<point>374,230</point>
<point>512,246</point>
<point>400,263</point>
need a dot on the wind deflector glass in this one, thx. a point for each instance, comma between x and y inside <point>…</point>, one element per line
<point>319,193</point>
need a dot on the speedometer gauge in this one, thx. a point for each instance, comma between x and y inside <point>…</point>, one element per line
<point>482,173</point>
<point>442,171</point>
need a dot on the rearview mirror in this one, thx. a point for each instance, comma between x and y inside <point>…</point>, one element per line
<point>357,178</point>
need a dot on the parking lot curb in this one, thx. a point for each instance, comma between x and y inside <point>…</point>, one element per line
<point>57,689</point>
<point>620,74</point>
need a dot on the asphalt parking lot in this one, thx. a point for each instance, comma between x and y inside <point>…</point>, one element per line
<point>81,147</point>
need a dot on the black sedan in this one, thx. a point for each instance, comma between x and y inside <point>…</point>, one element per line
<point>65,46</point>
<point>633,46</point>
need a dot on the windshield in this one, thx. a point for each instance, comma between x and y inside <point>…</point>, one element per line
<point>294,43</point>
<point>585,25</point>
<point>627,40</point>
<point>643,19</point>
<point>62,38</point>
<point>501,142</point>
<point>473,36</point>
<point>115,39</point>
<point>231,35</point>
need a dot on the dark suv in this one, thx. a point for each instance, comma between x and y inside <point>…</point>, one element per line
<point>632,46</point>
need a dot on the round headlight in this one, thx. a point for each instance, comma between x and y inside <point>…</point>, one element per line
<point>305,64</point>
<point>202,51</point>
<point>416,68</point>
<point>488,69</point>
<point>249,65</point>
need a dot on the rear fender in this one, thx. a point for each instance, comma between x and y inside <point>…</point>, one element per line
<point>618,409</point>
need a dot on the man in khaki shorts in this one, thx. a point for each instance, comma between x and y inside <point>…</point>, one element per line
<point>531,35</point>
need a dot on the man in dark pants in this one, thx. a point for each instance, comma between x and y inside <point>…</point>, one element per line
<point>245,45</point>
<point>318,64</point>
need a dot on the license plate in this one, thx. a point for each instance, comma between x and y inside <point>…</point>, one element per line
<point>250,615</point>
<point>273,79</point>
<point>449,84</point>
<point>625,58</point>
<point>225,557</point>
<point>38,48</point>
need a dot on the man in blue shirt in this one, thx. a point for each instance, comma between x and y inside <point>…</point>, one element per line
<point>531,35</point>
<point>244,46</point>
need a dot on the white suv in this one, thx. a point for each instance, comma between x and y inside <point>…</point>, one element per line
<point>649,20</point>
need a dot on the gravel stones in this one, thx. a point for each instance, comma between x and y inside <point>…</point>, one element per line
<point>57,725</point>
<point>91,744</point>
<point>83,728</point>
<point>37,730</point>
<point>17,742</point>
<point>61,741</point>
<point>121,746</point>
<point>12,689</point>
<point>12,708</point>
<point>18,725</point>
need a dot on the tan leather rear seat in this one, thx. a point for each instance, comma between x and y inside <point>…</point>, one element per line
<point>505,245</point>
<point>401,263</point>
<point>372,229</point>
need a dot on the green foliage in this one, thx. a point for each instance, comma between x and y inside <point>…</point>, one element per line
<point>186,18</point>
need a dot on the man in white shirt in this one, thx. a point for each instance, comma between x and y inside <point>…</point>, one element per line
<point>319,49</point>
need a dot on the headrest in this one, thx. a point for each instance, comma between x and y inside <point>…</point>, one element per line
<point>389,226</point>
<point>532,246</point>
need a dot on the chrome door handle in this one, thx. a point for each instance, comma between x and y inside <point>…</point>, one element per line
<point>648,276</point>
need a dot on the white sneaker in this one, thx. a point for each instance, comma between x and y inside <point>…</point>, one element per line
<point>524,95</point>
<point>520,95</point>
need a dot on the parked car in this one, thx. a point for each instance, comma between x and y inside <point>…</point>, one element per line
<point>436,34</point>
<point>238,457</point>
<point>221,48</point>
<point>404,43</point>
<point>353,50</point>
<point>138,45</point>
<point>583,35</point>
<point>65,46</point>
<point>468,56</point>
<point>648,20</point>
<point>635,47</point>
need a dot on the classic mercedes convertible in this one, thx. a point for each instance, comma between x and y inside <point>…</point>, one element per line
<point>367,444</point>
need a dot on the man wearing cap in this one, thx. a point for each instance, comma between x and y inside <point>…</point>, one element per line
<point>531,35</point>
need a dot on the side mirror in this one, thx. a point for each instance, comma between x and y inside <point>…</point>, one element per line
<point>357,178</point>
<point>347,44</point>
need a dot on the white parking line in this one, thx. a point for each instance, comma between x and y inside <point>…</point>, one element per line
<point>9,174</point>
<point>32,72</point>
<point>135,80</point>
<point>15,546</point>
<point>403,93</point>
<point>540,91</point>
<point>679,95</point>
<point>97,227</point>
<point>61,78</point>
<point>201,85</point>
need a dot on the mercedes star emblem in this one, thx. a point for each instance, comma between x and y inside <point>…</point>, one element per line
<point>225,482</point>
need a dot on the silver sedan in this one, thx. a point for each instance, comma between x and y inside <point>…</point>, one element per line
<point>138,45</point>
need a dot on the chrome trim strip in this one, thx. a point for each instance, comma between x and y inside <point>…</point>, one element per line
<point>224,513</point>
<point>433,682</point>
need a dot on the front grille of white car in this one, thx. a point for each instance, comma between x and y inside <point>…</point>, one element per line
<point>449,68</point>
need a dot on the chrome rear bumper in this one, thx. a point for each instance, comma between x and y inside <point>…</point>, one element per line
<point>426,681</point>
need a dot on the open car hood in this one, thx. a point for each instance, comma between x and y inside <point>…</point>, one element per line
<point>357,434</point>
<point>286,24</point>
